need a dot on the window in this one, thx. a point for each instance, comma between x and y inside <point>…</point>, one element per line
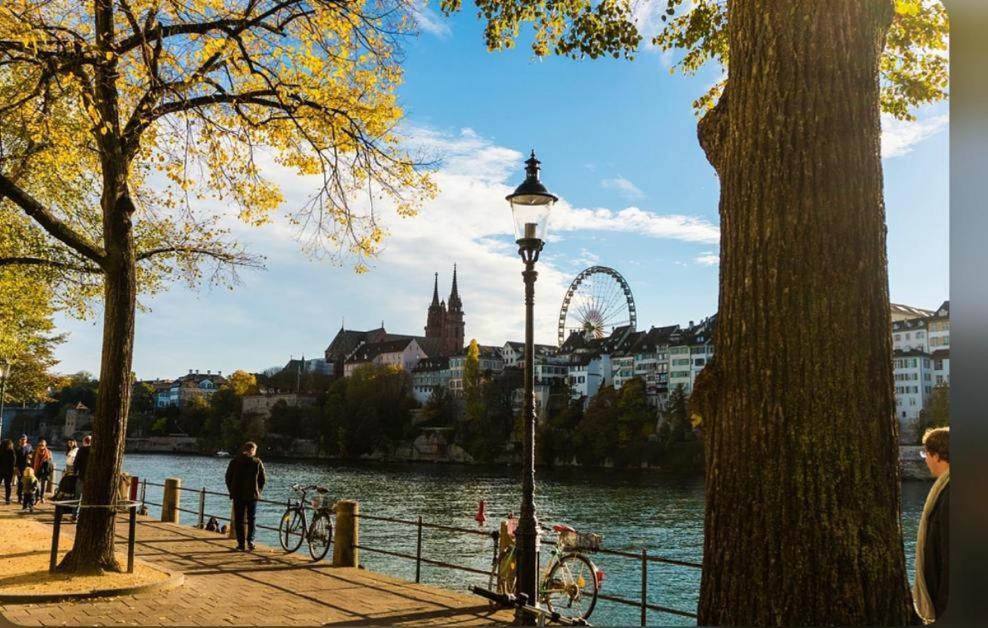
<point>898,337</point>
<point>907,336</point>
<point>919,335</point>
<point>698,362</point>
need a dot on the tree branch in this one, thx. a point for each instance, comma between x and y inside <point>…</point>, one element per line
<point>50,263</point>
<point>236,259</point>
<point>49,222</point>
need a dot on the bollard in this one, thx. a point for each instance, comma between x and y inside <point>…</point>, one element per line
<point>53,562</point>
<point>345,552</point>
<point>170,500</point>
<point>134,483</point>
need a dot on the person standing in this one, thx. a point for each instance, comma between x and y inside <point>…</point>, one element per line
<point>22,455</point>
<point>82,456</point>
<point>71,450</point>
<point>933,537</point>
<point>44,468</point>
<point>244,483</point>
<point>8,463</point>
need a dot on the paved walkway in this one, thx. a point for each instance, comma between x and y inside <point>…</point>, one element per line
<point>268,587</point>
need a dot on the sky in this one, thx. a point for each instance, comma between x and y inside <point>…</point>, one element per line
<point>617,141</point>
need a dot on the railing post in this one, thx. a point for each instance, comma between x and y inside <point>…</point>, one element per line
<point>170,500</point>
<point>144,493</point>
<point>644,586</point>
<point>202,507</point>
<point>131,537</point>
<point>418,555</point>
<point>54,540</point>
<point>345,551</point>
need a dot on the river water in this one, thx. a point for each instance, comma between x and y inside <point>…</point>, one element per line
<point>631,509</point>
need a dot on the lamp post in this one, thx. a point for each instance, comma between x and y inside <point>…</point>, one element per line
<point>530,206</point>
<point>4,372</point>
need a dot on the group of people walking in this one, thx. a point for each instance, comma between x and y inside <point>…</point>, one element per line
<point>33,469</point>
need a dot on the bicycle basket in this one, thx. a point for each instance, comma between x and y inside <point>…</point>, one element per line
<point>322,501</point>
<point>580,541</point>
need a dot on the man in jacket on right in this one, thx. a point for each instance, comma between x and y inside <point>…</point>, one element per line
<point>244,483</point>
<point>933,538</point>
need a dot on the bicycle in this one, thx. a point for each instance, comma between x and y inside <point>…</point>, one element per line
<point>570,581</point>
<point>294,526</point>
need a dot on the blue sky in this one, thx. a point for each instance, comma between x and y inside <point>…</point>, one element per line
<point>618,144</point>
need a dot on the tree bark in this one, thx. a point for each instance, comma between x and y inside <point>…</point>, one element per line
<point>802,522</point>
<point>93,550</point>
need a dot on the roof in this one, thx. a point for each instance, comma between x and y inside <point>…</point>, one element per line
<point>902,312</point>
<point>941,354</point>
<point>369,351</point>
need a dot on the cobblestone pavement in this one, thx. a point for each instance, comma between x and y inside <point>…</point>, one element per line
<point>223,588</point>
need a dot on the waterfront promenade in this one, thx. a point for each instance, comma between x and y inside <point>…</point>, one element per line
<point>267,587</point>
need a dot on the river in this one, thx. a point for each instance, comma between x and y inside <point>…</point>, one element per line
<point>631,509</point>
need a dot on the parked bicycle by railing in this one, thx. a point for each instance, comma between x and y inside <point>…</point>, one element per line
<point>569,582</point>
<point>295,528</point>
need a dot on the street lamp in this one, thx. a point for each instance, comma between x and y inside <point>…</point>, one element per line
<point>530,206</point>
<point>4,372</point>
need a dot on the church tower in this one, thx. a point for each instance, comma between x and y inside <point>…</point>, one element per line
<point>437,314</point>
<point>453,332</point>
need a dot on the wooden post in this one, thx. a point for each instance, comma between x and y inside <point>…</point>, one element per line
<point>345,552</point>
<point>131,537</point>
<point>170,500</point>
<point>202,507</point>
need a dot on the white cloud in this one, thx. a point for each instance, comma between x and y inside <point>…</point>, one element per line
<point>428,21</point>
<point>707,258</point>
<point>634,220</point>
<point>625,188</point>
<point>899,137</point>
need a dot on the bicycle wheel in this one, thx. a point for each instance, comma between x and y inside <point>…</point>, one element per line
<point>320,536</point>
<point>504,573</point>
<point>571,588</point>
<point>291,530</point>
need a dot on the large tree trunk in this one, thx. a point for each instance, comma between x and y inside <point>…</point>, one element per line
<point>93,550</point>
<point>802,490</point>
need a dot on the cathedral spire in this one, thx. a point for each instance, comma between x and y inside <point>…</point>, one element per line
<point>454,295</point>
<point>435,292</point>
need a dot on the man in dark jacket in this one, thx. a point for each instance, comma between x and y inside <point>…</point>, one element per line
<point>22,453</point>
<point>933,537</point>
<point>82,456</point>
<point>244,483</point>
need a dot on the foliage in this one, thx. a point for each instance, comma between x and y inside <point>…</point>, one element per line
<point>241,383</point>
<point>439,410</point>
<point>472,382</point>
<point>676,416</point>
<point>636,421</point>
<point>913,67</point>
<point>936,413</point>
<point>369,409</point>
<point>595,439</point>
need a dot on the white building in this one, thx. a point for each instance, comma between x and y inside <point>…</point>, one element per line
<point>490,363</point>
<point>913,375</point>
<point>404,354</point>
<point>586,375</point>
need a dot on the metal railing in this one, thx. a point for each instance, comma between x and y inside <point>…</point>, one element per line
<point>643,556</point>
<point>64,506</point>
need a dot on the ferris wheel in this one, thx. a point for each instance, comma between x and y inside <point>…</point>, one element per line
<point>598,300</point>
